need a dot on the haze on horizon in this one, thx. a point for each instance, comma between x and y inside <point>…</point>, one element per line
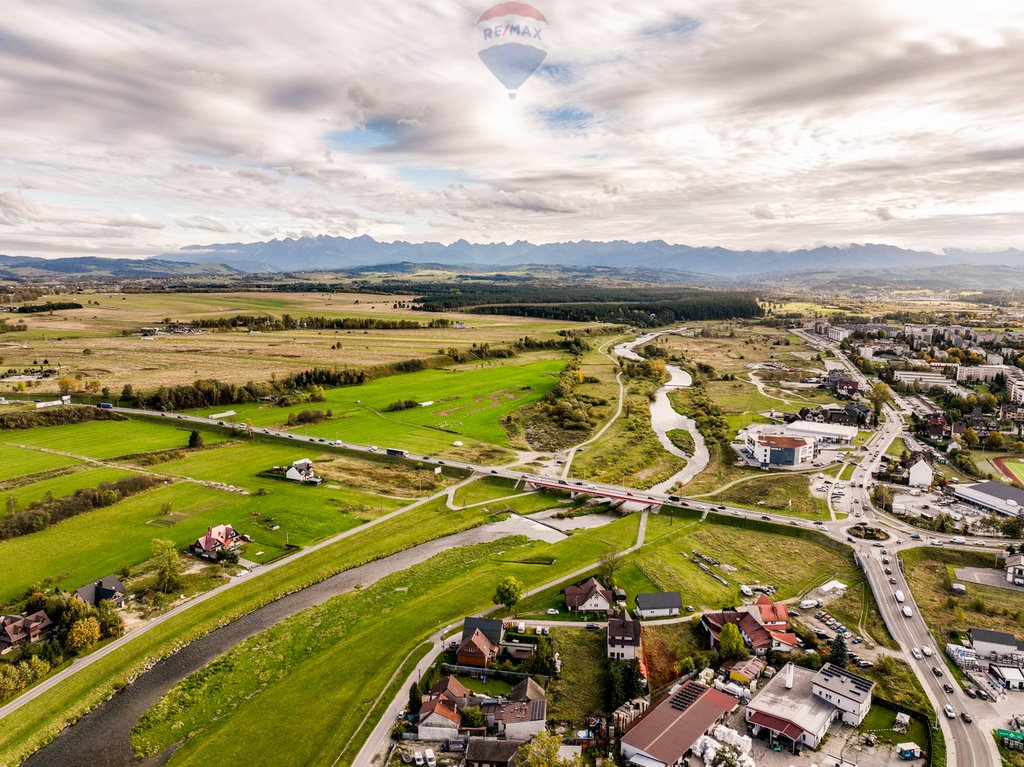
<point>133,129</point>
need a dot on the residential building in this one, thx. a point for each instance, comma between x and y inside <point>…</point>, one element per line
<point>759,630</point>
<point>920,473</point>
<point>302,471</point>
<point>848,692</point>
<point>982,373</point>
<point>589,596</point>
<point>623,638</point>
<point>217,539</point>
<point>1014,566</point>
<point>452,690</point>
<point>16,630</point>
<point>438,720</point>
<point>522,716</point>
<point>776,449</point>
<point>477,651</point>
<point>992,495</point>
<point>664,735</point>
<point>492,752</point>
<point>659,604</point>
<point>108,588</point>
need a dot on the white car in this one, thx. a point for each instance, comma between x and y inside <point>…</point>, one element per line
<point>927,651</point>
<point>418,759</point>
<point>552,611</point>
<point>949,712</point>
<point>916,653</point>
<point>429,754</point>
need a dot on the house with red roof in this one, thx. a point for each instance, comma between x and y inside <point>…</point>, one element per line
<point>589,597</point>
<point>439,720</point>
<point>764,626</point>
<point>217,539</point>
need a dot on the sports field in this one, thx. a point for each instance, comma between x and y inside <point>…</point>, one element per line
<point>1013,468</point>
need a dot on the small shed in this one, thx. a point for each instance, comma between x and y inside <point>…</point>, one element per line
<point>902,723</point>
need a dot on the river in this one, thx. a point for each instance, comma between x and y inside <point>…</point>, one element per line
<point>664,417</point>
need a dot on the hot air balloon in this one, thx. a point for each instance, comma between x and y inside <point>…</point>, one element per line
<point>512,40</point>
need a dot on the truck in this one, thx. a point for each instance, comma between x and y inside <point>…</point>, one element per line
<point>105,405</point>
<point>396,452</point>
<point>899,596</point>
<point>960,540</point>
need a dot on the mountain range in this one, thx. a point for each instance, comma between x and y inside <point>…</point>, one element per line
<point>325,252</point>
<point>864,265</point>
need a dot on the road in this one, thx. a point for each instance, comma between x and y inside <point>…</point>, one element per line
<point>971,743</point>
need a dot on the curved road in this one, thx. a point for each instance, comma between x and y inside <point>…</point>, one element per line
<point>967,745</point>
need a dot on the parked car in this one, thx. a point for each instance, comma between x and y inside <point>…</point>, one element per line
<point>552,611</point>
<point>970,693</point>
<point>429,756</point>
<point>418,759</point>
<point>592,627</point>
<point>982,694</point>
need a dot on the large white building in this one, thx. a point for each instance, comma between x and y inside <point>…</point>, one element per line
<point>822,433</point>
<point>994,496</point>
<point>920,474</point>
<point>777,449</point>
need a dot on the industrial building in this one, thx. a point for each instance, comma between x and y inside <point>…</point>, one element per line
<point>993,496</point>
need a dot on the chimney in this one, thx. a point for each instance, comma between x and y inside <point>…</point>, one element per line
<point>789,676</point>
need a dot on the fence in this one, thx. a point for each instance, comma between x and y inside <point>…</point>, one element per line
<point>929,747</point>
<point>517,676</point>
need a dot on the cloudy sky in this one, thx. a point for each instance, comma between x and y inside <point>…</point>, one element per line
<point>133,128</point>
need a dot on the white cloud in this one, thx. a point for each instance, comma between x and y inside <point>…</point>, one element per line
<point>140,128</point>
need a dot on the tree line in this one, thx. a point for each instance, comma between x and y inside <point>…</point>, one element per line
<point>55,416</point>
<point>5,327</point>
<point>49,510</point>
<point>49,306</point>
<point>267,323</point>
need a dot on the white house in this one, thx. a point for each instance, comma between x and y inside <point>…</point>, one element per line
<point>848,692</point>
<point>302,471</point>
<point>590,596</point>
<point>775,449</point>
<point>623,638</point>
<point>920,473</point>
<point>659,604</point>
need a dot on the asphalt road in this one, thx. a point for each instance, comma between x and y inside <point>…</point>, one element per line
<point>968,745</point>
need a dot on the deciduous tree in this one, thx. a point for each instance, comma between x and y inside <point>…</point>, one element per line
<point>509,592</point>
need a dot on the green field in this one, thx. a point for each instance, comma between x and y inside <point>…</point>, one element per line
<point>468,404</point>
<point>777,493</point>
<point>325,664</point>
<point>64,485</point>
<point>578,692</point>
<point>107,439</point>
<point>19,462</point>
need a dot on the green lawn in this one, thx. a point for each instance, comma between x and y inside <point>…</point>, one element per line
<point>897,448</point>
<point>578,693</point>
<point>665,646</point>
<point>107,439</point>
<point>493,685</point>
<point>18,462</point>
<point>1016,466</point>
<point>880,721</point>
<point>487,489</point>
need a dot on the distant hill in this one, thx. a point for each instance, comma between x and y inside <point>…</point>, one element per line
<point>326,253</point>
<point>25,267</point>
